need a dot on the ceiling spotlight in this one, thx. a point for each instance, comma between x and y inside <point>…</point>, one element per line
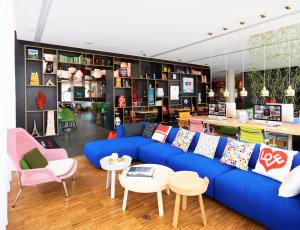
<point>225,28</point>
<point>89,43</point>
<point>263,15</point>
<point>242,23</point>
<point>288,7</point>
<point>210,33</point>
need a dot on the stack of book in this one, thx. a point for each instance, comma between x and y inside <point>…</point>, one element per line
<point>136,171</point>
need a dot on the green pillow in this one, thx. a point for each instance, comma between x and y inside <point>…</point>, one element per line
<point>35,159</point>
<point>24,164</point>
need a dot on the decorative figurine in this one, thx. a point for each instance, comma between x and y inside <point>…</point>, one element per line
<point>49,67</point>
<point>50,123</point>
<point>34,78</point>
<point>117,119</point>
<point>118,82</point>
<point>49,83</point>
<point>41,100</point>
<point>121,101</point>
<point>35,132</point>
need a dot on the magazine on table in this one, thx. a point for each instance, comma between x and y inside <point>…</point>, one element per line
<point>136,171</point>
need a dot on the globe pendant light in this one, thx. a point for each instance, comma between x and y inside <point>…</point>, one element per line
<point>226,92</point>
<point>211,92</point>
<point>289,92</point>
<point>264,92</point>
<point>243,92</point>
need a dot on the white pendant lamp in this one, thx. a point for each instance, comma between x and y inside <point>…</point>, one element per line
<point>264,92</point>
<point>289,92</point>
<point>243,92</point>
<point>211,92</point>
<point>226,92</point>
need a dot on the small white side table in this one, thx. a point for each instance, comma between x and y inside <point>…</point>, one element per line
<point>111,168</point>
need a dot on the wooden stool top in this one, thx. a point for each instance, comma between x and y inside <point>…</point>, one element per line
<point>188,183</point>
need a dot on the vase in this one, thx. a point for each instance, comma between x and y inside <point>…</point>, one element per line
<point>159,92</point>
<point>41,100</point>
<point>118,82</point>
<point>199,98</point>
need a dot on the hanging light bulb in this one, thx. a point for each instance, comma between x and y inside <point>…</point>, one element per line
<point>243,92</point>
<point>211,92</point>
<point>226,92</point>
<point>264,92</point>
<point>289,92</point>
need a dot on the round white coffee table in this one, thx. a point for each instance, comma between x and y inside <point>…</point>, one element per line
<point>157,183</point>
<point>111,168</point>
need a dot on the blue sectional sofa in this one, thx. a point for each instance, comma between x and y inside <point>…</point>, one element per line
<point>246,192</point>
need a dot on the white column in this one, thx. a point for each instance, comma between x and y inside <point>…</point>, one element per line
<point>231,85</point>
<point>7,97</point>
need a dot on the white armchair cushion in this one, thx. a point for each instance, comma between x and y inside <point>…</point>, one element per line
<point>61,167</point>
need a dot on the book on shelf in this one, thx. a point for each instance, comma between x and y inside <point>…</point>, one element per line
<point>136,171</point>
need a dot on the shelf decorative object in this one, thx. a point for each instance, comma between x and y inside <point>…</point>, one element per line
<point>117,119</point>
<point>35,132</point>
<point>121,101</point>
<point>188,85</point>
<point>34,78</point>
<point>50,124</point>
<point>118,82</point>
<point>151,95</point>
<point>33,54</point>
<point>72,70</point>
<point>41,100</point>
<point>199,98</point>
<point>160,92</point>
<point>49,83</point>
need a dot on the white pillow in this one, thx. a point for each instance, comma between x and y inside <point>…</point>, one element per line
<point>274,162</point>
<point>207,145</point>
<point>61,167</point>
<point>291,184</point>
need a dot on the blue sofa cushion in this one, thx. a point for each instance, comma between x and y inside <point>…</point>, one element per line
<point>96,150</point>
<point>221,146</point>
<point>158,153</point>
<point>194,141</point>
<point>172,135</point>
<point>120,131</point>
<point>139,140</point>
<point>204,166</point>
<point>256,197</point>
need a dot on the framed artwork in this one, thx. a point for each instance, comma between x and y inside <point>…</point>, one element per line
<point>33,54</point>
<point>188,86</point>
<point>174,92</point>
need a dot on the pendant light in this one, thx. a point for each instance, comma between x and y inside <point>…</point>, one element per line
<point>243,92</point>
<point>264,92</point>
<point>289,92</point>
<point>226,92</point>
<point>211,92</point>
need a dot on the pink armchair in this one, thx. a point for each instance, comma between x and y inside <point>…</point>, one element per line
<point>19,141</point>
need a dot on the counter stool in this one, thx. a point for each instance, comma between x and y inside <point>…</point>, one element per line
<point>187,183</point>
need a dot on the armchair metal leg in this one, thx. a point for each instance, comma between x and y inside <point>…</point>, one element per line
<point>65,188</point>
<point>17,197</point>
<point>74,177</point>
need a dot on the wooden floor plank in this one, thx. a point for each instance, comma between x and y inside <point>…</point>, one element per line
<point>90,207</point>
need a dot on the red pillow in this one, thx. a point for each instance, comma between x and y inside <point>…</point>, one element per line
<point>161,133</point>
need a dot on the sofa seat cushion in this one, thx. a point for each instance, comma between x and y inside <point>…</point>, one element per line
<point>204,166</point>
<point>256,197</point>
<point>139,140</point>
<point>96,150</point>
<point>158,153</point>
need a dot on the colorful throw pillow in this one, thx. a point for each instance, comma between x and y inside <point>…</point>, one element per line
<point>274,162</point>
<point>35,159</point>
<point>207,145</point>
<point>149,130</point>
<point>291,184</point>
<point>24,164</point>
<point>183,139</point>
<point>161,133</point>
<point>133,129</point>
<point>237,154</point>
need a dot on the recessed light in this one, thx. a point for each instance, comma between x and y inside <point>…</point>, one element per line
<point>242,23</point>
<point>144,54</point>
<point>288,7</point>
<point>89,43</point>
<point>178,59</point>
<point>210,33</point>
<point>263,15</point>
<point>225,28</point>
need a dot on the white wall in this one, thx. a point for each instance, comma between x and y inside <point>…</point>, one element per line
<point>7,97</point>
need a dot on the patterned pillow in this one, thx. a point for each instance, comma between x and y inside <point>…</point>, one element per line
<point>149,130</point>
<point>207,145</point>
<point>183,139</point>
<point>161,133</point>
<point>237,154</point>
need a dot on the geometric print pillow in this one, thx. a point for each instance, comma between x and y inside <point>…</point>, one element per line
<point>207,145</point>
<point>237,154</point>
<point>183,139</point>
<point>149,130</point>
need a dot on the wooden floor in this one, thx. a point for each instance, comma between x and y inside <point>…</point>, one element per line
<point>90,207</point>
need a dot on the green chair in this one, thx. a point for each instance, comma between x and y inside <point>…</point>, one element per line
<point>251,134</point>
<point>228,131</point>
<point>67,119</point>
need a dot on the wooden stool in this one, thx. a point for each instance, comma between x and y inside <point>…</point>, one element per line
<point>187,183</point>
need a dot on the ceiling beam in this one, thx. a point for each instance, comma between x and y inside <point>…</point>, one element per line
<point>43,17</point>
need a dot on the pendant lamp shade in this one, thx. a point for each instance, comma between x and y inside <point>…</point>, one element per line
<point>243,92</point>
<point>211,93</point>
<point>226,93</point>
<point>264,92</point>
<point>289,92</point>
